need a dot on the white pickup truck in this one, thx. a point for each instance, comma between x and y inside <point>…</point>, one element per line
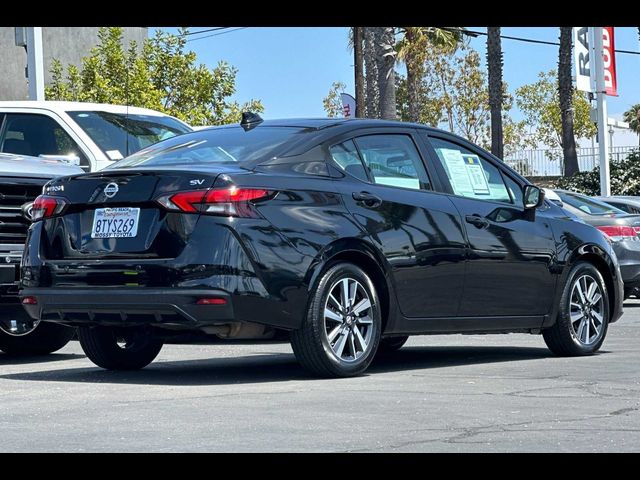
<point>90,135</point>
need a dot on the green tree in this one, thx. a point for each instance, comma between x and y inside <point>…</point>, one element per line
<point>332,103</point>
<point>471,109</point>
<point>540,105</point>
<point>565,93</point>
<point>160,75</point>
<point>413,49</point>
<point>632,117</point>
<point>454,90</point>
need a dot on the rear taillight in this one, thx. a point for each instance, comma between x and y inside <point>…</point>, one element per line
<point>45,207</point>
<point>618,233</point>
<point>232,201</point>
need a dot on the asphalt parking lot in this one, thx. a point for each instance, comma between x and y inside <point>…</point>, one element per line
<point>439,393</point>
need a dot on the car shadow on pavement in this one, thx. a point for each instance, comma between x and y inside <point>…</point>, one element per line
<point>26,359</point>
<point>278,367</point>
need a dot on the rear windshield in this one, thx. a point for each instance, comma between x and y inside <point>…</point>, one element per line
<point>119,134</point>
<point>214,146</point>
<point>589,205</point>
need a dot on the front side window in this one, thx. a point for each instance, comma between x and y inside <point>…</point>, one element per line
<point>38,135</point>
<point>393,160</point>
<point>470,175</point>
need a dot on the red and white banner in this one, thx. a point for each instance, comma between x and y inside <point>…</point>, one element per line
<point>609,61</point>
<point>348,105</point>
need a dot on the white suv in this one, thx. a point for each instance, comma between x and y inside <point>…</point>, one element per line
<point>91,135</point>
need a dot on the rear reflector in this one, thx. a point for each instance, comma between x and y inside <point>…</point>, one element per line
<point>233,201</point>
<point>618,233</point>
<point>29,301</point>
<point>212,301</point>
<point>45,206</point>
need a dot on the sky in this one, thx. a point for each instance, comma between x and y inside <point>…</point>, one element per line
<point>291,69</point>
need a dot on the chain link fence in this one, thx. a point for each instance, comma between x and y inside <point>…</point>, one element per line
<point>549,162</point>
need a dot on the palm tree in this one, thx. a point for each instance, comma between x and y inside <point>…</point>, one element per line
<point>565,93</point>
<point>413,50</point>
<point>494,63</point>
<point>371,74</point>
<point>632,117</point>
<point>359,70</point>
<point>385,40</point>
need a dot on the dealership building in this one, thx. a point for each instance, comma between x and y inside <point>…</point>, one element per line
<point>67,44</point>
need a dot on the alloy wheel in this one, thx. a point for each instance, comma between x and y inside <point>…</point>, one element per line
<point>348,324</point>
<point>586,312</point>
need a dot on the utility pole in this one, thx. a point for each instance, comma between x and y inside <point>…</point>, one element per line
<point>603,137</point>
<point>35,65</point>
<point>358,38</point>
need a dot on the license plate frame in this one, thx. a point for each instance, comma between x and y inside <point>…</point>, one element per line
<point>115,222</point>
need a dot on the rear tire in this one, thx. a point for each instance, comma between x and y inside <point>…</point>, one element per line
<point>44,339</point>
<point>339,336</point>
<point>119,348</point>
<point>392,344</point>
<point>583,316</point>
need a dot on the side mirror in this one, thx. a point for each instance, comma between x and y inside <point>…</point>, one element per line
<point>533,197</point>
<point>71,159</point>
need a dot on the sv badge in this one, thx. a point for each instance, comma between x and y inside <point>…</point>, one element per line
<point>196,182</point>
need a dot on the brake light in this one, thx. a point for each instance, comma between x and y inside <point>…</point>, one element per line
<point>212,301</point>
<point>618,233</point>
<point>45,207</point>
<point>233,201</point>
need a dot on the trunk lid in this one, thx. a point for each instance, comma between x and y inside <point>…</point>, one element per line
<point>160,234</point>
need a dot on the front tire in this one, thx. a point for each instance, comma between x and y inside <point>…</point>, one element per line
<point>119,348</point>
<point>341,331</point>
<point>583,316</point>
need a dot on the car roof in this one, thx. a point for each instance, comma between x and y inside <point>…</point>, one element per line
<point>57,106</point>
<point>323,123</point>
<point>623,198</point>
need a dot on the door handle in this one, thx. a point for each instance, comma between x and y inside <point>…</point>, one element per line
<point>369,199</point>
<point>477,221</point>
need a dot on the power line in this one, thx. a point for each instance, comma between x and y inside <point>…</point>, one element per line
<point>522,39</point>
<point>203,31</point>
<point>216,34</point>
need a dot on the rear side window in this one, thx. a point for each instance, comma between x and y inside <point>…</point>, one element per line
<point>393,160</point>
<point>346,155</point>
<point>231,145</point>
<point>471,175</point>
<point>588,205</point>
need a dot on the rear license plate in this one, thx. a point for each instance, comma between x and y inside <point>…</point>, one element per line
<point>7,274</point>
<point>119,222</point>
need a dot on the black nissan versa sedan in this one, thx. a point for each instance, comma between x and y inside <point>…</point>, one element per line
<point>349,234</point>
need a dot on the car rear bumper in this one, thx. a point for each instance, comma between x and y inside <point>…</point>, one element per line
<point>628,254</point>
<point>165,307</point>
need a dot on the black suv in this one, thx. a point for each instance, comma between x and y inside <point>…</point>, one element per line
<point>349,234</point>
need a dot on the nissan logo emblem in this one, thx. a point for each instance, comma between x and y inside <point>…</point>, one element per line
<point>27,211</point>
<point>110,190</point>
